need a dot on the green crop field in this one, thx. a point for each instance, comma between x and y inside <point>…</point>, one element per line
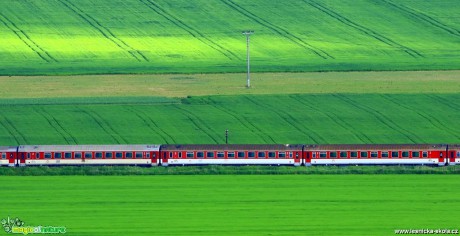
<point>234,205</point>
<point>365,107</point>
<point>145,36</point>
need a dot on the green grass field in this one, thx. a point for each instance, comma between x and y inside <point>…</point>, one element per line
<point>234,205</point>
<point>365,107</point>
<point>145,36</point>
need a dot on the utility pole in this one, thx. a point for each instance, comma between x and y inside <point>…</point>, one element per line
<point>248,34</point>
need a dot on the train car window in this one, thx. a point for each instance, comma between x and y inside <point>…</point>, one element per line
<point>200,154</point>
<point>119,155</point>
<point>47,155</point>
<point>3,155</point>
<point>99,155</point>
<point>281,154</point>
<point>394,154</point>
<point>190,155</point>
<point>405,154</point>
<point>231,154</point>
<point>354,154</point>
<point>88,155</point>
<point>385,154</point>
<point>333,154</point>
<point>180,154</point>
<point>458,154</point>
<point>147,154</point>
<point>322,154</point>
<point>290,154</point>
<point>170,154</point>
<point>77,155</point>
<point>139,155</point>
<point>67,155</point>
<point>374,154</point>
<point>251,154</point>
<point>57,155</point>
<point>261,154</point>
<point>210,154</point>
<point>271,154</point>
<point>415,154</point>
<point>129,155</point>
<point>108,155</point>
<point>425,154</point>
<point>343,154</point>
<point>241,155</point>
<point>364,154</point>
<point>220,155</point>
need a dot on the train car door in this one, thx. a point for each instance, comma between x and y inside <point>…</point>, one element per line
<point>21,158</point>
<point>451,157</point>
<point>12,160</point>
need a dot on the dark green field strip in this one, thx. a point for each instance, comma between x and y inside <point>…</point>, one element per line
<point>234,205</point>
<point>365,30</point>
<point>320,118</point>
<point>423,17</point>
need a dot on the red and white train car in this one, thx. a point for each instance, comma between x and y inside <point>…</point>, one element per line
<point>383,154</point>
<point>8,155</point>
<point>232,154</point>
<point>454,154</point>
<point>89,155</point>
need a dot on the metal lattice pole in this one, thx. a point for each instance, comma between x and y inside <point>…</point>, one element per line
<point>248,34</point>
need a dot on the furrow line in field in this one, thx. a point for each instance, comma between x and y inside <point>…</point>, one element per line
<point>103,121</point>
<point>292,123</point>
<point>380,117</point>
<point>10,132</point>
<point>106,32</point>
<point>44,55</point>
<point>277,29</point>
<point>431,119</point>
<point>345,125</point>
<point>155,128</point>
<point>246,123</point>
<point>440,100</point>
<point>421,16</point>
<point>189,29</point>
<point>363,29</point>
<point>56,126</point>
<point>21,138</point>
<point>197,122</point>
<point>100,124</point>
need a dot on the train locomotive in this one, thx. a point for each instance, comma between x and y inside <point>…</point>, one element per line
<point>231,154</point>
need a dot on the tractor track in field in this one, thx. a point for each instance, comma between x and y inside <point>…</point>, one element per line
<point>197,122</point>
<point>56,126</point>
<point>367,31</point>
<point>13,130</point>
<point>345,125</point>
<point>246,123</point>
<point>431,119</point>
<point>44,55</point>
<point>104,125</point>
<point>189,29</point>
<point>380,117</point>
<point>293,124</point>
<point>106,32</point>
<point>440,100</point>
<point>277,29</point>
<point>155,128</point>
<point>421,16</point>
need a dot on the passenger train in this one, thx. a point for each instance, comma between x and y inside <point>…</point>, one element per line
<point>231,154</point>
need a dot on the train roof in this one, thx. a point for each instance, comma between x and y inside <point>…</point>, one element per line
<point>389,147</point>
<point>8,148</point>
<point>232,147</point>
<point>83,148</point>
